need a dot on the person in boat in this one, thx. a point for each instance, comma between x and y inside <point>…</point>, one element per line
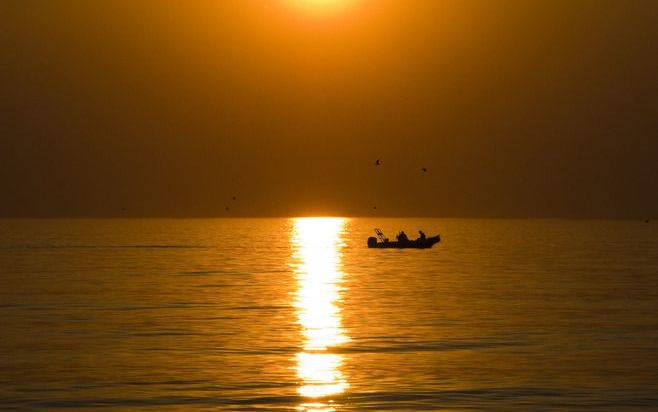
<point>421,235</point>
<point>402,237</point>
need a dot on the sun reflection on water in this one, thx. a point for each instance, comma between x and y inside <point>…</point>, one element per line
<point>317,244</point>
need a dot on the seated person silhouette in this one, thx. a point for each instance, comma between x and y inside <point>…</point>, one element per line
<point>402,237</point>
<point>421,235</point>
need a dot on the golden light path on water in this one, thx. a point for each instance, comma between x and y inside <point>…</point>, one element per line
<point>317,244</point>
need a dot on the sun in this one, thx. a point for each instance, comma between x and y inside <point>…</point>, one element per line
<point>323,7</point>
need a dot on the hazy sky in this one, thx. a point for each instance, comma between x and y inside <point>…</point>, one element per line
<point>169,108</point>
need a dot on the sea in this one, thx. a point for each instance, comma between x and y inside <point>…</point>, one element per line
<point>299,315</point>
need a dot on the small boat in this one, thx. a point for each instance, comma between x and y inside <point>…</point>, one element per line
<point>382,242</point>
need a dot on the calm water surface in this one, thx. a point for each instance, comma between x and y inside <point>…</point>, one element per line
<point>297,314</point>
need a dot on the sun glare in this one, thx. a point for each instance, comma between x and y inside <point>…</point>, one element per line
<point>322,7</point>
<point>317,243</point>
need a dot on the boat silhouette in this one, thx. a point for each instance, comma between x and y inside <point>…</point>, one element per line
<point>402,242</point>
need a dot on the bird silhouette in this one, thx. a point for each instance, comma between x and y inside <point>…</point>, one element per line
<point>424,169</point>
<point>378,162</point>
<point>226,208</point>
<point>235,198</point>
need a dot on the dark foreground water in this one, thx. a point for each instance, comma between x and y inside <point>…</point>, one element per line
<point>297,314</point>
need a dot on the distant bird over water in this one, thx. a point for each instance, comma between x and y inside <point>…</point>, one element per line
<point>378,162</point>
<point>235,198</point>
<point>424,169</point>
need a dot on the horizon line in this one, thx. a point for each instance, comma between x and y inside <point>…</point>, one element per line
<point>301,216</point>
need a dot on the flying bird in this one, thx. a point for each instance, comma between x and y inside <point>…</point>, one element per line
<point>424,169</point>
<point>378,162</point>
<point>235,198</point>
<point>226,208</point>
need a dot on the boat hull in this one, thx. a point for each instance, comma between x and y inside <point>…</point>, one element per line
<point>409,244</point>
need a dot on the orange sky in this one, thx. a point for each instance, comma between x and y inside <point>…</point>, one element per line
<point>169,108</point>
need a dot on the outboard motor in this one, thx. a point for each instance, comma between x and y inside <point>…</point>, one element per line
<point>372,241</point>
